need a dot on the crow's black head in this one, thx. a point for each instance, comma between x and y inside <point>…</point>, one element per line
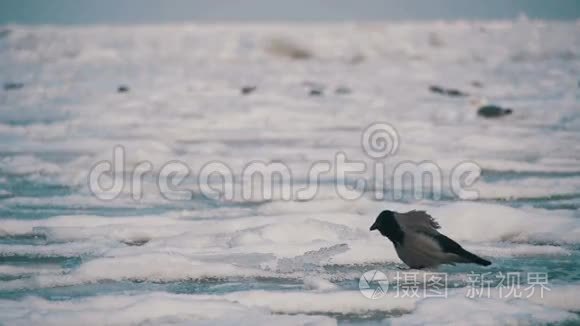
<point>388,226</point>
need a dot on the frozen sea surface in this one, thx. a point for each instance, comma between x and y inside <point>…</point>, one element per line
<point>67,257</point>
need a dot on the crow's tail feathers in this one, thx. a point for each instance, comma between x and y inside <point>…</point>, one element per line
<point>449,245</point>
<point>474,258</point>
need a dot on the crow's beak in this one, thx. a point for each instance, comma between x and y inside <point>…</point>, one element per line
<point>373,227</point>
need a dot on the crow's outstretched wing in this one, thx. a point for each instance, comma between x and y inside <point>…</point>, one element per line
<point>418,221</point>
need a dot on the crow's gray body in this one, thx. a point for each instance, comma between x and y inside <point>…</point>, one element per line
<point>418,243</point>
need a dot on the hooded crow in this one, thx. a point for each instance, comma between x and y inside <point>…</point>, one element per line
<point>418,243</point>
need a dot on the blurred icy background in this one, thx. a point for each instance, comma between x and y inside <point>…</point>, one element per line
<point>66,257</point>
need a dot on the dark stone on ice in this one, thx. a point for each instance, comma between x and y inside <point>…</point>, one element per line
<point>315,92</point>
<point>135,242</point>
<point>10,86</point>
<point>447,91</point>
<point>477,84</point>
<point>342,90</point>
<point>436,89</point>
<point>248,89</point>
<point>455,92</point>
<point>493,111</point>
<point>314,88</point>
